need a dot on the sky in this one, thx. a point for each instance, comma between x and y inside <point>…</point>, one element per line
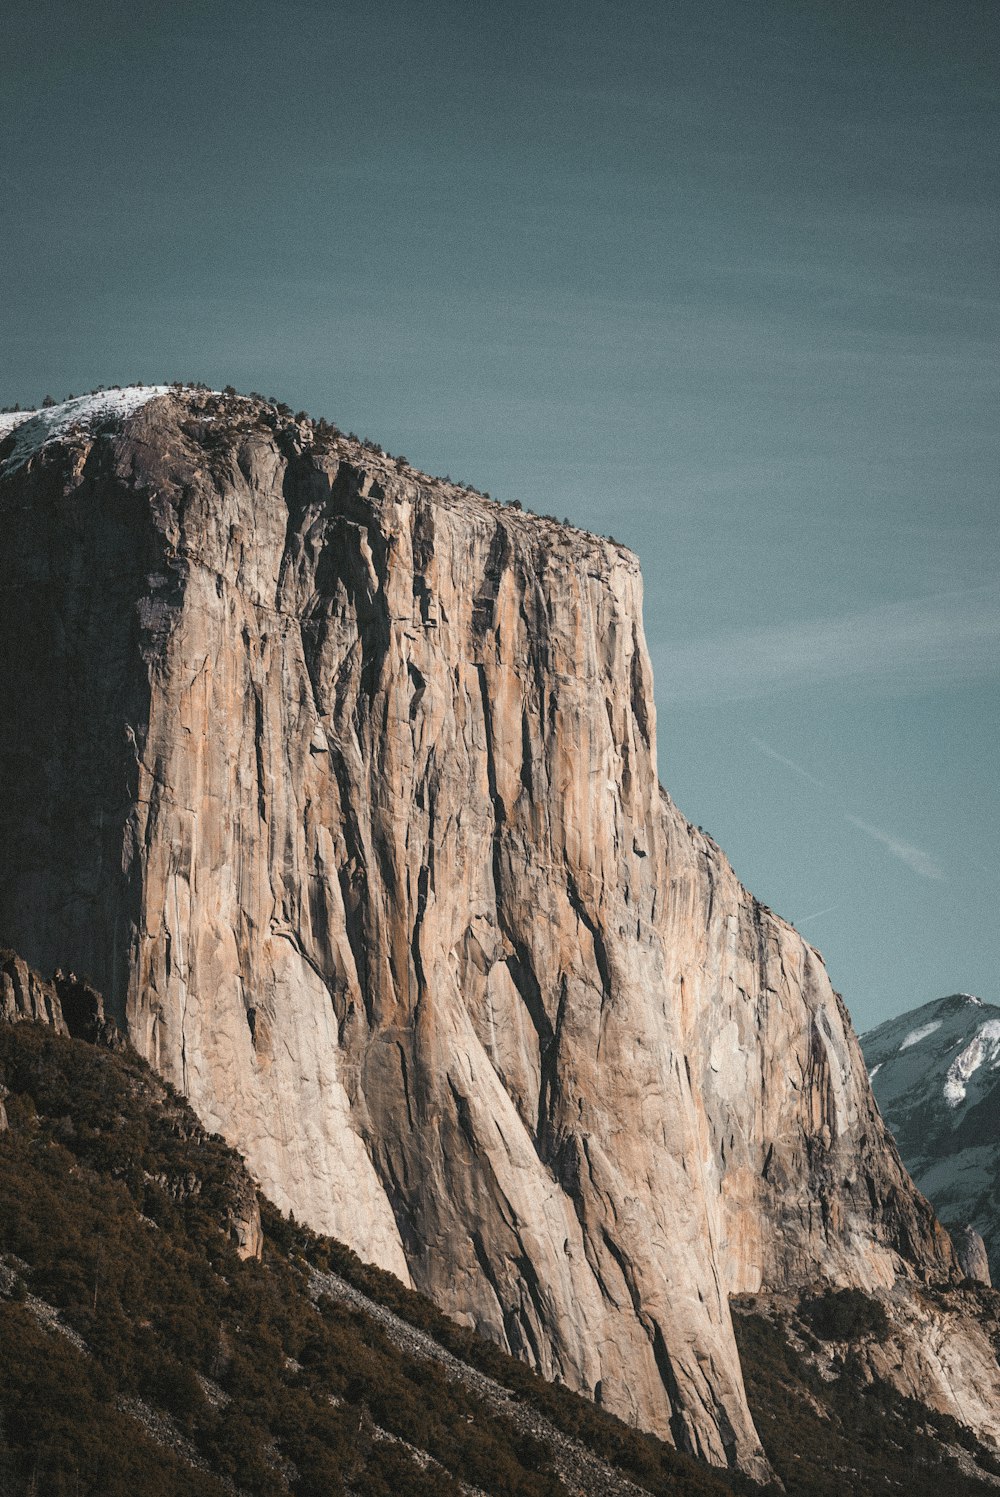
<point>719,277</point>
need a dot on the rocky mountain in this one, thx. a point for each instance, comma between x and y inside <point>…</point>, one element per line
<point>151,1346</point>
<point>936,1074</point>
<point>159,1338</point>
<point>340,783</point>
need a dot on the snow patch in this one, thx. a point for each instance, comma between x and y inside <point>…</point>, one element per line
<point>87,413</point>
<point>971,998</point>
<point>985,1045</point>
<point>916,1035</point>
<point>10,419</point>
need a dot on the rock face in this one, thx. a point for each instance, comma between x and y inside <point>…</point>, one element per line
<point>970,1249</point>
<point>67,1004</point>
<point>804,1179</point>
<point>24,995</point>
<point>936,1074</point>
<point>341,784</point>
<point>941,1351</point>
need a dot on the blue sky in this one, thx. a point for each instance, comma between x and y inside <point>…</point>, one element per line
<point>718,277</point>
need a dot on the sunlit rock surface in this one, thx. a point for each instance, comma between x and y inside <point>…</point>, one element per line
<point>341,783</point>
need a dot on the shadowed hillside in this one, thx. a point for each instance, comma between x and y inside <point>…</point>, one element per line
<point>149,1349</point>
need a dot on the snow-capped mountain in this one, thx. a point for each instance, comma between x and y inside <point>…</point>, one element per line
<point>935,1073</point>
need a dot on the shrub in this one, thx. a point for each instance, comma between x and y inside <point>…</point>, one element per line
<point>845,1315</point>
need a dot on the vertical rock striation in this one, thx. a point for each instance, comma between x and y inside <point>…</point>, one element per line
<point>341,784</point>
<point>805,1179</point>
<point>24,995</point>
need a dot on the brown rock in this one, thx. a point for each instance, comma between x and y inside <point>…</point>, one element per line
<point>341,784</point>
<point>26,995</point>
<point>970,1249</point>
<point>806,1181</point>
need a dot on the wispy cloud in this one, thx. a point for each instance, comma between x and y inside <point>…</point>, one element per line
<point>914,857</point>
<point>900,646</point>
<point>828,910</point>
<point>765,748</point>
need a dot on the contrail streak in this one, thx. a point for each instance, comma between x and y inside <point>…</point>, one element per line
<point>765,748</point>
<point>913,857</point>
<point>816,913</point>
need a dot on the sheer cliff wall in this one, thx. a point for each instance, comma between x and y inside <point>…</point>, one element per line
<point>341,784</point>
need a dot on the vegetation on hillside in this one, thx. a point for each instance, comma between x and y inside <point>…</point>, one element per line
<point>847,1434</point>
<point>656,1466</point>
<point>141,1355</point>
<point>113,1207</point>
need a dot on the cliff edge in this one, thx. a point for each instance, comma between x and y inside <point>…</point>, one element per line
<point>340,783</point>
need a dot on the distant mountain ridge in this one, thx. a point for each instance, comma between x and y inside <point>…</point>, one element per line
<point>935,1072</point>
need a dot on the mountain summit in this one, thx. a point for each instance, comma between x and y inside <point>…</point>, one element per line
<point>339,782</point>
<point>936,1075</point>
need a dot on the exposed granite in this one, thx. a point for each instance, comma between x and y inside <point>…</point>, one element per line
<point>341,784</point>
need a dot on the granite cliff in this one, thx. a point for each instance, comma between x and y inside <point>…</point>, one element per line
<point>340,783</point>
<point>142,1356</point>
